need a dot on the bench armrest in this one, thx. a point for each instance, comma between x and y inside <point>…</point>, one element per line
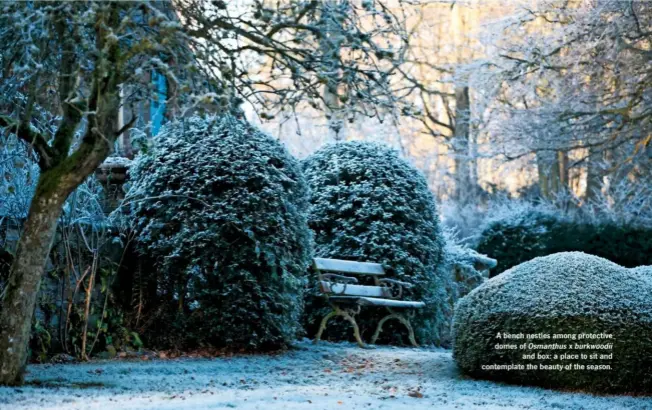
<point>395,286</point>
<point>340,278</point>
<point>397,282</point>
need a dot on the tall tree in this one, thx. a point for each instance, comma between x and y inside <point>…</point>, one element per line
<point>464,162</point>
<point>86,61</point>
<point>444,56</point>
<point>330,45</point>
<point>575,90</point>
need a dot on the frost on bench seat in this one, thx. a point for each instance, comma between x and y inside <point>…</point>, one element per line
<point>346,297</point>
<point>367,301</point>
<point>346,289</point>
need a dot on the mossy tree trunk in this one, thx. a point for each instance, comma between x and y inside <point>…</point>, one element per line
<point>61,173</point>
<point>53,188</point>
<point>24,280</point>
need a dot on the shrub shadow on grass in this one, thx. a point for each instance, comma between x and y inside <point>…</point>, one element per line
<point>60,382</point>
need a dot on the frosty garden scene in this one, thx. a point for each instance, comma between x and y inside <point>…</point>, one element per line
<point>337,204</point>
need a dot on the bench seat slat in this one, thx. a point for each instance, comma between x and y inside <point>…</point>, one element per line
<point>368,301</point>
<point>342,266</point>
<point>331,288</point>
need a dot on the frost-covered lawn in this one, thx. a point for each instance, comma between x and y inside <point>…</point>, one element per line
<point>328,376</point>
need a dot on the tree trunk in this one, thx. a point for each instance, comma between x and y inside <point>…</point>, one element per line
<point>593,174</point>
<point>553,173</point>
<point>334,115</point>
<point>25,277</point>
<point>564,172</point>
<point>465,185</point>
<point>54,186</point>
<point>330,46</point>
<point>60,175</point>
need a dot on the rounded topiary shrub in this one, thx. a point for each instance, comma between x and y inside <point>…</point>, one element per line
<point>530,232</point>
<point>367,204</point>
<point>516,237</point>
<point>644,271</point>
<point>564,293</point>
<point>221,210</point>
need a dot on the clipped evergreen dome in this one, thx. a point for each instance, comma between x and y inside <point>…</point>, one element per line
<point>223,215</point>
<point>644,271</point>
<point>368,204</point>
<point>564,293</point>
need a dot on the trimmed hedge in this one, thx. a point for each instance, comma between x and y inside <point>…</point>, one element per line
<point>368,204</point>
<point>223,216</point>
<point>525,235</point>
<point>564,293</point>
<point>644,271</point>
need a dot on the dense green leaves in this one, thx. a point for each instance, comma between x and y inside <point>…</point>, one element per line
<point>368,204</point>
<point>524,235</point>
<point>221,210</point>
<point>567,293</point>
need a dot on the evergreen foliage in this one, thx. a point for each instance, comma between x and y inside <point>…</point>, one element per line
<point>644,271</point>
<point>368,204</point>
<point>568,293</point>
<point>222,213</point>
<point>526,234</point>
<point>465,269</point>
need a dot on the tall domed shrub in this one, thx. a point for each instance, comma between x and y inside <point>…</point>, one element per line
<point>368,204</point>
<point>221,210</point>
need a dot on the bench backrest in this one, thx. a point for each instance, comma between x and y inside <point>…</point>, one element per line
<point>351,267</point>
<point>339,266</point>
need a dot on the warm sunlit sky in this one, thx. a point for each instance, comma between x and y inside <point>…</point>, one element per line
<point>446,34</point>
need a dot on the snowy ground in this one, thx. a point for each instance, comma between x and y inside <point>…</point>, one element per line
<point>328,376</point>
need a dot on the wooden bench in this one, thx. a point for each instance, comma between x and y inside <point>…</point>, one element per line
<point>346,297</point>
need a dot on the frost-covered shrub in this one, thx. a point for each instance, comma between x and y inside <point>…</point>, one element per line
<point>465,219</point>
<point>564,293</point>
<point>465,269</point>
<point>468,268</point>
<point>529,232</point>
<point>644,271</point>
<point>368,204</point>
<point>221,209</point>
<point>19,176</point>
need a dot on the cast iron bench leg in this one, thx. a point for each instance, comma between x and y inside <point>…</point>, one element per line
<point>400,318</point>
<point>322,325</point>
<point>346,315</point>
